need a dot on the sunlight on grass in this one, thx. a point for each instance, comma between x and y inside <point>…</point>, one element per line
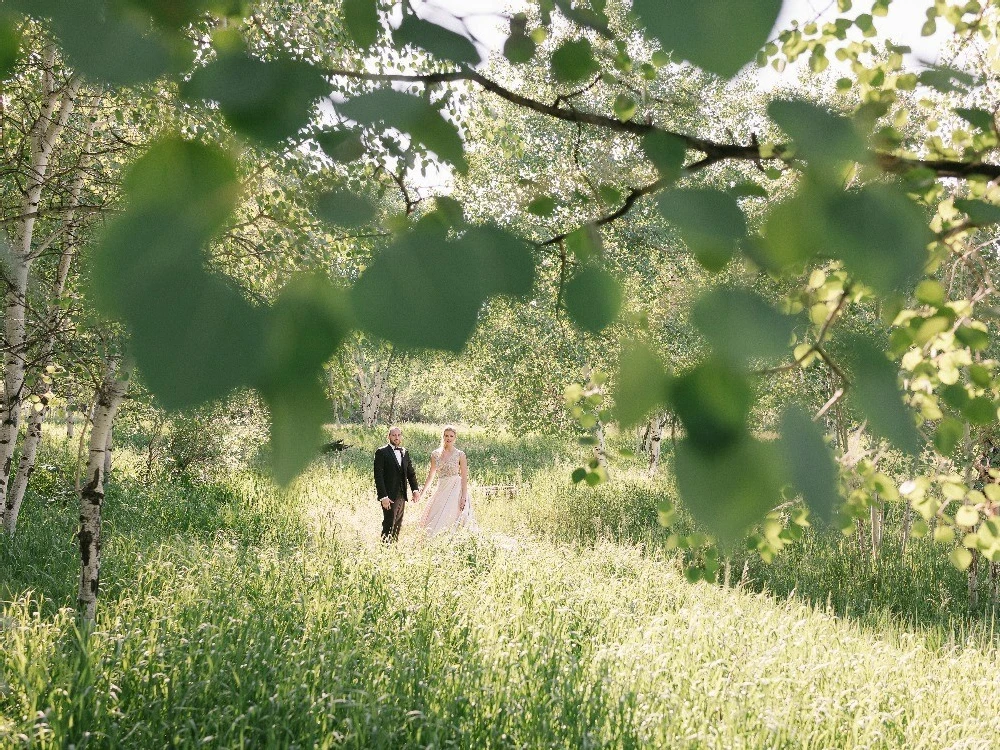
<point>239,614</point>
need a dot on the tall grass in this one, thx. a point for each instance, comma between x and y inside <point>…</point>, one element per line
<point>237,614</point>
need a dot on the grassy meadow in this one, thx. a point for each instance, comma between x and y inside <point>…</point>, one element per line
<point>237,614</point>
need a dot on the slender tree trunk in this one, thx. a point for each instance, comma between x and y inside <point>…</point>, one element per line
<point>907,524</point>
<point>70,420</point>
<point>25,468</point>
<point>33,436</point>
<point>994,582</point>
<point>42,140</point>
<point>973,573</point>
<point>877,516</point>
<point>371,384</point>
<point>109,398</point>
<point>656,442</point>
<point>599,450</point>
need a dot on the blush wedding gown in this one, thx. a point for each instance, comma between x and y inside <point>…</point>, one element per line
<point>441,513</point>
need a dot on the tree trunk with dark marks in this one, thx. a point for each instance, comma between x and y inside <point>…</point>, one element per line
<point>109,398</point>
<point>656,442</point>
<point>33,436</point>
<point>58,102</point>
<point>25,468</point>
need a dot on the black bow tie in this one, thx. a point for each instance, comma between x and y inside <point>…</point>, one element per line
<point>398,449</point>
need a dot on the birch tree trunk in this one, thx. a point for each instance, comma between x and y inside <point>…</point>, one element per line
<point>109,397</point>
<point>656,442</point>
<point>33,436</point>
<point>42,139</point>
<point>974,579</point>
<point>877,515</point>
<point>371,380</point>
<point>599,450</point>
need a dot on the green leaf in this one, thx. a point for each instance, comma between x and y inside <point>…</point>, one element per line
<point>425,290</point>
<point>974,338</point>
<point>810,464</point>
<point>880,234</point>
<point>10,46</point>
<point>666,151</point>
<point>979,118</point>
<point>574,61</point>
<point>748,189</point>
<point>344,208</point>
<point>956,396</point>
<point>268,101</point>
<point>404,292</point>
<point>306,325</point>
<point>341,145</point>
<point>439,41</point>
<point>961,558</point>
<point>193,335</point>
<point>980,411</point>
<point>980,213</point>
<point>519,48</point>
<point>946,79</point>
<point>591,18</point>
<point>174,14</point>
<point>544,205</point>
<point>709,221</point>
<point>713,401</point>
<point>792,234</point>
<point>361,21</point>
<point>412,115</point>
<point>585,242</point>
<point>930,292</point>
<point>579,474</point>
<point>298,411</point>
<point>593,298</point>
<point>195,338</point>
<point>740,325</point>
<point>625,107</point>
<point>875,392</point>
<point>729,490</point>
<point>103,42</point>
<point>980,375</point>
<point>821,137</point>
<point>718,35</point>
<point>503,260</point>
<point>641,384</point>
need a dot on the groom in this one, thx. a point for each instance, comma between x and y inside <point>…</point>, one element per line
<point>393,471</point>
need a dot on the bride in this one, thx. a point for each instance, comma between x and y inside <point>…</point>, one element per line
<point>451,505</point>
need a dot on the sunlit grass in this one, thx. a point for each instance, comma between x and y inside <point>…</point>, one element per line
<point>239,614</point>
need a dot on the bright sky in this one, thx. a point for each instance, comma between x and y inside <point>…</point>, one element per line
<point>484,19</point>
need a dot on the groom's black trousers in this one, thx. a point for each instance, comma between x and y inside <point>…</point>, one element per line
<point>392,520</point>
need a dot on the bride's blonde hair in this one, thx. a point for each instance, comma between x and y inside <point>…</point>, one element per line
<point>447,428</point>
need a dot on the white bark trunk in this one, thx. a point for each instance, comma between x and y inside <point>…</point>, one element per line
<point>371,385</point>
<point>109,398</point>
<point>25,468</point>
<point>599,450</point>
<point>42,138</point>
<point>33,436</point>
<point>656,443</point>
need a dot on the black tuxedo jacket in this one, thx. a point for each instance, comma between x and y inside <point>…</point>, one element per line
<point>391,479</point>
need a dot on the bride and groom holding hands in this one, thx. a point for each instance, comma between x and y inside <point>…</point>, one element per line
<point>449,507</point>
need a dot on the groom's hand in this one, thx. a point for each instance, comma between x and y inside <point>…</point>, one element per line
<point>416,495</point>
<point>385,503</point>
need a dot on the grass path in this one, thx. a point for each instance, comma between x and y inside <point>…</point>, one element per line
<point>273,619</point>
